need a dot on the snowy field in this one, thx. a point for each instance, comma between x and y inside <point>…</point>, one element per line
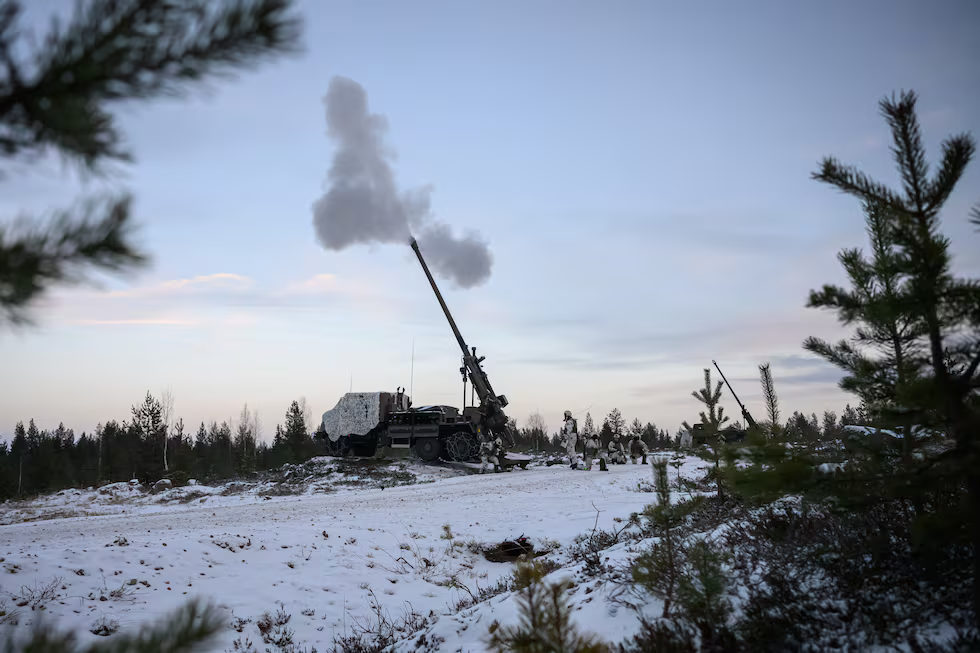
<point>327,557</point>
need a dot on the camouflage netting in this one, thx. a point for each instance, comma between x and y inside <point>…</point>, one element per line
<point>355,414</point>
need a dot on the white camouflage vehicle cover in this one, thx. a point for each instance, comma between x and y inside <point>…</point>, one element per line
<point>358,412</point>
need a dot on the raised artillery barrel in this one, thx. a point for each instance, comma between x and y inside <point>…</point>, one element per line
<point>491,405</point>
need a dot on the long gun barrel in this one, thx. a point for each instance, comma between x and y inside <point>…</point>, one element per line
<point>745,412</point>
<point>491,404</point>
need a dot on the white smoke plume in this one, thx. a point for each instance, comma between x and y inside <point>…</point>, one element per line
<point>363,205</point>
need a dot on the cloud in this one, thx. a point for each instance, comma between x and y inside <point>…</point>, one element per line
<point>609,343</point>
<point>152,321</point>
<point>796,361</point>
<point>223,298</point>
<point>331,284</point>
<point>797,371</point>
<point>226,280</point>
<point>582,363</point>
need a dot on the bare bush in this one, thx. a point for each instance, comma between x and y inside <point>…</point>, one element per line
<point>104,626</point>
<point>37,596</point>
<point>382,631</point>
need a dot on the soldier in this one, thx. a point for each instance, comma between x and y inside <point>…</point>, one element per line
<point>638,448</point>
<point>593,448</point>
<point>569,434</point>
<point>490,450</point>
<point>617,452</point>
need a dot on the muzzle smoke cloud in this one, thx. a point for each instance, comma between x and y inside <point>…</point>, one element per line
<point>363,204</point>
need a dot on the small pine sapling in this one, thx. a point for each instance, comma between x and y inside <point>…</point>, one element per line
<point>702,592</point>
<point>191,627</point>
<point>711,424</point>
<point>772,401</point>
<point>545,624</point>
<point>658,569</point>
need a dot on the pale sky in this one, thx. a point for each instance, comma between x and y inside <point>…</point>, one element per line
<point>640,170</point>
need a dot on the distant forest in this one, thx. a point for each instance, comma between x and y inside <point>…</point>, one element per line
<point>152,446</point>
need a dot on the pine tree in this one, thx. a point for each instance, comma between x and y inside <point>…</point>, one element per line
<point>654,436</point>
<point>830,429</point>
<point>880,301</point>
<point>711,424</point>
<point>942,384</point>
<point>222,451</point>
<point>715,417</point>
<point>151,431</point>
<point>18,450</point>
<point>849,416</point>
<point>589,428</point>
<point>636,427</point>
<point>772,402</point>
<point>913,360</point>
<point>110,51</point>
<point>295,433</point>
<point>659,569</point>
<point>617,425</point>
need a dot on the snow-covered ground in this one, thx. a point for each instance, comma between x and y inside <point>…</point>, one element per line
<point>316,476</point>
<point>322,556</point>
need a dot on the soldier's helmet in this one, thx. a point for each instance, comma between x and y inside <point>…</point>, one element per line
<point>568,414</point>
<point>615,436</point>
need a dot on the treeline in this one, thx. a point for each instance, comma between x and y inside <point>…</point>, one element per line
<point>149,447</point>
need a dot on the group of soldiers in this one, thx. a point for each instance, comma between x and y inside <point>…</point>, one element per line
<point>616,452</point>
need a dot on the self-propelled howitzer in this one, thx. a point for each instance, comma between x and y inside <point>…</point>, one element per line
<point>489,416</point>
<point>361,423</point>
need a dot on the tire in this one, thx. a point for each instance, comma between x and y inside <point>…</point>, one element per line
<point>428,449</point>
<point>462,446</point>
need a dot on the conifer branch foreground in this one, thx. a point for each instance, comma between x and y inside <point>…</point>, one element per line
<point>31,257</point>
<point>56,101</point>
<point>192,627</point>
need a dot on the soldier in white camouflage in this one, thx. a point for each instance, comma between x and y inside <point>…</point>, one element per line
<point>569,436</point>
<point>491,450</point>
<point>617,452</point>
<point>593,449</point>
<point>638,449</point>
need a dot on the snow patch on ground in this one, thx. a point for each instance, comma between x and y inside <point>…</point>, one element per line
<point>316,476</point>
<point>329,558</point>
